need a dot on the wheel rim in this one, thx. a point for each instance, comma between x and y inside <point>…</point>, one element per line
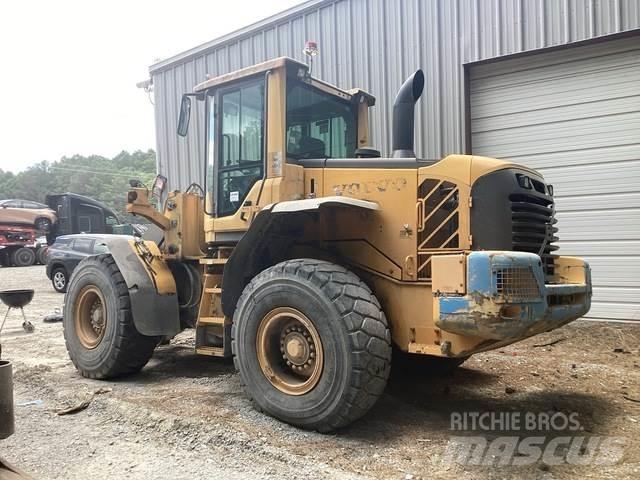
<point>289,351</point>
<point>24,257</point>
<point>58,280</point>
<point>90,317</point>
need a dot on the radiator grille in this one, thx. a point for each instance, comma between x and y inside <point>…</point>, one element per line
<point>533,227</point>
<point>516,282</point>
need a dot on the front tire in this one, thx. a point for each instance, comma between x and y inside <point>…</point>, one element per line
<point>99,332</point>
<point>59,279</point>
<point>311,344</point>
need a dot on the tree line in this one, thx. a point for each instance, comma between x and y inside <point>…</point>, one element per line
<point>103,179</point>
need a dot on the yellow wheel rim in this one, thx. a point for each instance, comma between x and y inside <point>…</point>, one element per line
<point>289,351</point>
<point>90,317</point>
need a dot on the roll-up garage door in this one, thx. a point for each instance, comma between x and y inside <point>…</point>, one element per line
<point>574,115</point>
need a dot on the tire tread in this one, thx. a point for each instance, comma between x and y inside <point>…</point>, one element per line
<point>366,325</point>
<point>131,350</point>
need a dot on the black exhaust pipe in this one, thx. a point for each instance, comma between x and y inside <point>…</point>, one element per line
<point>403,117</point>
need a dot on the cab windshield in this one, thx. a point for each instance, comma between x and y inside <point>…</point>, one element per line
<point>319,125</point>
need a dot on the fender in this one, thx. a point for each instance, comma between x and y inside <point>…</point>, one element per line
<point>152,288</point>
<point>316,203</point>
<point>258,248</point>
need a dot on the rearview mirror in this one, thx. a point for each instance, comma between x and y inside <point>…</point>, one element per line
<point>185,113</point>
<point>159,185</point>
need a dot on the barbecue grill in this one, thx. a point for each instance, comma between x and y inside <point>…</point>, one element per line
<point>15,299</point>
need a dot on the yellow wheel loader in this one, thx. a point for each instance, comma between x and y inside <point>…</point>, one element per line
<point>306,255</point>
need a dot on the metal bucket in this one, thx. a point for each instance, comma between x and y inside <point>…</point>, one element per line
<point>7,425</point>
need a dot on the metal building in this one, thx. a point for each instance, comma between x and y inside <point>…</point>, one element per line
<point>552,84</point>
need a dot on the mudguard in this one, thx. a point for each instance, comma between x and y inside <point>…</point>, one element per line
<point>251,256</point>
<point>152,288</point>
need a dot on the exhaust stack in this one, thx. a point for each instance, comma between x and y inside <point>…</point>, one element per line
<point>403,115</point>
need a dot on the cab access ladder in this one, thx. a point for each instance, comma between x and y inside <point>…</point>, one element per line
<point>213,328</point>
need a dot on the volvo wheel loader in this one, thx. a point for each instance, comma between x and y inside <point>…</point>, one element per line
<point>306,256</point>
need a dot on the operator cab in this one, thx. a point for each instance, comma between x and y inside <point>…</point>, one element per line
<point>259,116</point>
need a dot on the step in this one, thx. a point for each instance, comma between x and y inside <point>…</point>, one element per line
<point>213,261</point>
<point>211,351</point>
<point>215,290</point>
<point>220,321</point>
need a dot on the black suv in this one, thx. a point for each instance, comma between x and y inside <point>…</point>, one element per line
<point>65,254</point>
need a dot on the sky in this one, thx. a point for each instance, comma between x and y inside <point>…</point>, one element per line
<point>69,69</point>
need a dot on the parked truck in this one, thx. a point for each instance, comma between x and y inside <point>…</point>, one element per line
<point>22,245</point>
<point>81,214</point>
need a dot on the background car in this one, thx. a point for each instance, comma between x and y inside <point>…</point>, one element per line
<point>26,212</point>
<point>65,254</point>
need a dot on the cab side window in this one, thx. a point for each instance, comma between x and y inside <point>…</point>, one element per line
<point>319,125</point>
<point>84,224</point>
<point>241,161</point>
<point>109,221</point>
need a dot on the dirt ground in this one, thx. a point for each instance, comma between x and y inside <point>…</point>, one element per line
<point>185,416</point>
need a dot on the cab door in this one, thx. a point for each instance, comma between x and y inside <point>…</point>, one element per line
<point>240,149</point>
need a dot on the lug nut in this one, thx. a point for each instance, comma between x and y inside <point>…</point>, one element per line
<point>312,355</point>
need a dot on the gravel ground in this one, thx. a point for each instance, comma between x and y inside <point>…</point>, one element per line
<point>185,416</point>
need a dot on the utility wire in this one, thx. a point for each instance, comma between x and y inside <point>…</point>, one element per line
<point>80,170</point>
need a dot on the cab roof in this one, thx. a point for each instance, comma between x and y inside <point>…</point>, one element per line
<point>282,62</point>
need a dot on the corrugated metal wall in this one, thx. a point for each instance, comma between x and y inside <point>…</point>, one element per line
<point>574,115</point>
<point>375,44</point>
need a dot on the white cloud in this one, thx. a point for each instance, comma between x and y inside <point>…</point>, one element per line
<point>69,69</point>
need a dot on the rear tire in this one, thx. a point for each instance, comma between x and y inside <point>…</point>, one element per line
<point>344,326</point>
<point>23,257</point>
<point>41,255</point>
<point>59,279</point>
<point>99,332</point>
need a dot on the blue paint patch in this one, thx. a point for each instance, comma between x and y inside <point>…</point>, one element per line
<point>487,313</point>
<point>450,305</point>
